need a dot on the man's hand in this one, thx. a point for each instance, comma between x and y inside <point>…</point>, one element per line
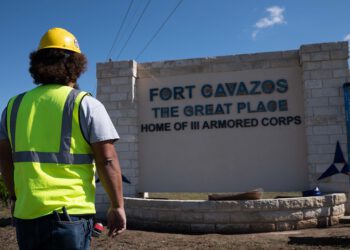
<point>116,221</point>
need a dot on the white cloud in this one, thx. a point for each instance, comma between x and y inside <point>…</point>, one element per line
<point>347,37</point>
<point>275,17</point>
<point>255,33</point>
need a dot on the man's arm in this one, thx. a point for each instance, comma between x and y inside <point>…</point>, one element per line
<point>109,172</point>
<point>6,166</point>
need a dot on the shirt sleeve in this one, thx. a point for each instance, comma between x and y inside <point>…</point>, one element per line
<point>3,129</point>
<point>95,122</point>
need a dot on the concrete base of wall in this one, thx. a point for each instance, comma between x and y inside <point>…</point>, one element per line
<point>248,216</point>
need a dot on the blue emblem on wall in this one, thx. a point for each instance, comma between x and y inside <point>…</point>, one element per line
<point>338,159</point>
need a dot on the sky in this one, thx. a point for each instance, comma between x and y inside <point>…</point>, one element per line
<point>158,30</point>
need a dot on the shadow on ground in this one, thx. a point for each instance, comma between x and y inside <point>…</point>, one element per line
<point>5,222</point>
<point>340,241</point>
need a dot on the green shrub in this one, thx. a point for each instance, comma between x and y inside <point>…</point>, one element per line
<point>4,196</point>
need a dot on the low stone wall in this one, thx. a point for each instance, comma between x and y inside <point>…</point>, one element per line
<point>248,216</point>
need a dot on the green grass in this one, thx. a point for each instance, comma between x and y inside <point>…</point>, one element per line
<point>204,196</point>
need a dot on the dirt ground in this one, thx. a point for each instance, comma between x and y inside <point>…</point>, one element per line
<point>336,237</point>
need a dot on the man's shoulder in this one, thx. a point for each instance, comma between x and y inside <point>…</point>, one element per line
<point>91,106</point>
<point>91,101</point>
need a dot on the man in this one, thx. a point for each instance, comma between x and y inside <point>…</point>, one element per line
<point>51,138</point>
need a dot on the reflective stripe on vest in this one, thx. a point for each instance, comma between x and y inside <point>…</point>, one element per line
<point>63,156</point>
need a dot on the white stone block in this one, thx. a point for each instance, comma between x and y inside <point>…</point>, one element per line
<point>305,57</point>
<point>129,190</point>
<point>99,189</point>
<point>126,72</point>
<point>327,130</point>
<point>287,204</point>
<point>285,226</point>
<point>339,54</point>
<point>133,130</point>
<point>125,164</point>
<point>334,64</point>
<point>127,155</point>
<point>317,102</point>
<point>228,206</point>
<point>129,172</point>
<point>122,147</point>
<point>321,74</point>
<point>331,46</point>
<point>309,131</point>
<point>309,112</point>
<point>311,223</point>
<point>109,73</point>
<point>104,82</point>
<point>132,113</point>
<point>334,83</point>
<point>320,56</point>
<point>127,121</point>
<point>284,63</point>
<point>321,149</point>
<point>121,64</point>
<point>259,65</point>
<point>318,139</point>
<point>127,105</point>
<point>191,217</point>
<point>216,217</point>
<point>128,138</point>
<point>122,130</point>
<point>124,88</point>
<point>315,213</point>
<point>119,97</point>
<point>325,92</point>
<point>101,208</point>
<point>307,93</point>
<point>133,147</point>
<point>320,158</point>
<point>310,48</point>
<point>169,216</point>
<point>244,217</point>
<point>314,202</point>
<point>107,89</point>
<point>110,105</point>
<point>103,98</point>
<point>338,101</point>
<point>307,75</point>
<point>341,72</point>
<point>274,216</point>
<point>324,111</point>
<point>338,210</point>
<point>115,113</point>
<point>311,65</point>
<point>120,81</point>
<point>134,164</point>
<point>99,198</point>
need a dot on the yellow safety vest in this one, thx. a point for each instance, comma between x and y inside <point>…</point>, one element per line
<point>53,163</point>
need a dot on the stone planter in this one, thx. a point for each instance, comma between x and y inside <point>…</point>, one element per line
<point>247,216</point>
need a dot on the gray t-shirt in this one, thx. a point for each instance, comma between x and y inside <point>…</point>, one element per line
<point>96,125</point>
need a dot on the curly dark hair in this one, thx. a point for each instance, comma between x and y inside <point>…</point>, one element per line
<point>56,66</point>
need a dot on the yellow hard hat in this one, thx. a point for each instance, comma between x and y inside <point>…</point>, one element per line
<point>59,38</point>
